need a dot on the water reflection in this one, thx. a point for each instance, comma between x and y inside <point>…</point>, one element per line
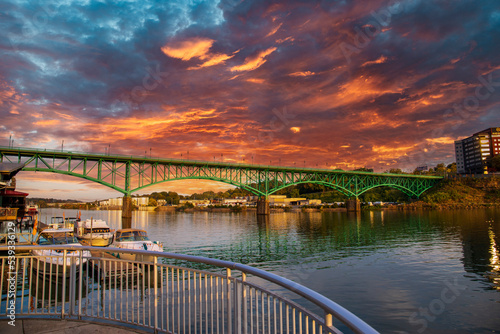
<point>395,262</point>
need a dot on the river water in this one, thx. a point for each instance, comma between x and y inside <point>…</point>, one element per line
<point>401,272</point>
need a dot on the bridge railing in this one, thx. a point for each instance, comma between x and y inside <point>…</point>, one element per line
<point>218,163</point>
<point>162,292</point>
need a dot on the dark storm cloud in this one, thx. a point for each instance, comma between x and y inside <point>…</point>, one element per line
<point>351,82</point>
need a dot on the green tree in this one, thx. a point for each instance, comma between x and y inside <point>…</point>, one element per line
<point>395,171</point>
<point>152,202</point>
<point>451,169</point>
<point>293,192</point>
<point>440,169</point>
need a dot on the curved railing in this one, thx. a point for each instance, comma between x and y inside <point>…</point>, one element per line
<point>158,291</point>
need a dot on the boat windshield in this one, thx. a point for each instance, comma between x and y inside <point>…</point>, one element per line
<point>132,236</point>
<point>60,238</point>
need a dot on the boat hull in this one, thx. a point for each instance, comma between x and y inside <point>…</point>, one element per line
<point>133,257</point>
<point>137,245</point>
<point>49,263</point>
<point>97,240</point>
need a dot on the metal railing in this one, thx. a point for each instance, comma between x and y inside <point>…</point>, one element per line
<point>23,238</point>
<point>158,292</point>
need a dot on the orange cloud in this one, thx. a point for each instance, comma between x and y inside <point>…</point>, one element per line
<point>252,63</point>
<point>256,80</point>
<point>213,60</point>
<point>279,41</point>
<point>380,60</point>
<point>194,48</point>
<point>302,74</point>
<point>48,122</point>
<point>272,32</point>
<point>441,140</point>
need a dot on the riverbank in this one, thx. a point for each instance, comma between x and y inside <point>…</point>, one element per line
<point>462,193</point>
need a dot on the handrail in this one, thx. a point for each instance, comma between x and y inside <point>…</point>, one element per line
<point>328,306</point>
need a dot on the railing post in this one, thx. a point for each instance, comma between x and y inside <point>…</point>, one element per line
<point>229,306</point>
<point>63,299</point>
<point>328,322</point>
<point>80,284</point>
<point>155,271</point>
<point>72,284</point>
<point>244,301</point>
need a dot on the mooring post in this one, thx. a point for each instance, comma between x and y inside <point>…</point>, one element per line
<point>127,212</point>
<point>263,206</point>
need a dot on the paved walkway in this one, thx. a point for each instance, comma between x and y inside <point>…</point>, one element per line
<point>43,326</point>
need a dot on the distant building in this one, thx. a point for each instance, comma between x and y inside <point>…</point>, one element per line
<point>140,201</point>
<point>474,154</point>
<point>282,200</point>
<point>234,201</point>
<point>195,202</point>
<point>118,202</point>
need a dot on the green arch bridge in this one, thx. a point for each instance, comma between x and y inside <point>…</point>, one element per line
<point>128,174</point>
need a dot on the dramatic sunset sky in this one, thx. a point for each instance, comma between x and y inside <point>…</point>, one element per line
<point>346,84</point>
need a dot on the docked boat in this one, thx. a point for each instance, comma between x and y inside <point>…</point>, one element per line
<point>94,232</point>
<point>51,261</point>
<point>135,239</point>
<point>31,210</point>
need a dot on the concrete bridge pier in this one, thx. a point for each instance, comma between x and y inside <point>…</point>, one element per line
<point>353,205</point>
<point>263,206</point>
<point>127,212</point>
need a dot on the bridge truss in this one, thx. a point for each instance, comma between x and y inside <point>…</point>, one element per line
<point>128,174</point>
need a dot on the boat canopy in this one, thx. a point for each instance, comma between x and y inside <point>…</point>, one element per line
<point>131,235</point>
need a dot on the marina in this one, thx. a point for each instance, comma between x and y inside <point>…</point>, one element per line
<point>383,266</point>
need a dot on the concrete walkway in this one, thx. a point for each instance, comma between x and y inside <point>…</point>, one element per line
<point>43,326</point>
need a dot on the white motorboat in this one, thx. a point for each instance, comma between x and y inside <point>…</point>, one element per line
<point>51,261</point>
<point>135,239</point>
<point>94,232</point>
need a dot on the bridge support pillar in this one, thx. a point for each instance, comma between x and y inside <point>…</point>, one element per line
<point>353,205</point>
<point>263,206</point>
<point>127,212</point>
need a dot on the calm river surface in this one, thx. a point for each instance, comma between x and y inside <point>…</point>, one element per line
<point>402,272</point>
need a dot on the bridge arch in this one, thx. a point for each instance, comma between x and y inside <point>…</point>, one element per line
<point>405,190</point>
<point>333,186</point>
<point>89,178</point>
<point>227,181</point>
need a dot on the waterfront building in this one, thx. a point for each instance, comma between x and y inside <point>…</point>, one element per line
<point>473,154</point>
<point>118,202</point>
<point>234,201</point>
<point>195,202</point>
<point>282,200</point>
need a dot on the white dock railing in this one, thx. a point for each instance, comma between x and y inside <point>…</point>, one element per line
<point>172,293</point>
